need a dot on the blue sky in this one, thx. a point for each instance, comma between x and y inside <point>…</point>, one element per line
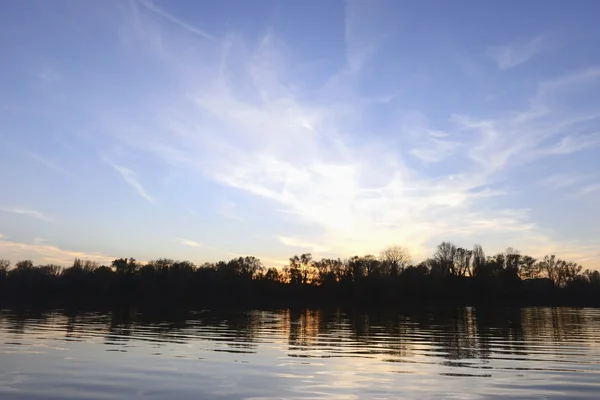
<point>207,130</point>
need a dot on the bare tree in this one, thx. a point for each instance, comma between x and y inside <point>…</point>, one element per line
<point>4,266</point>
<point>328,270</point>
<point>430,265</point>
<point>90,266</point>
<point>444,255</point>
<point>512,259</point>
<point>462,261</point>
<point>77,264</point>
<point>550,266</point>
<point>560,272</point>
<point>24,265</point>
<point>306,267</point>
<point>395,259</point>
<point>51,269</point>
<point>273,275</point>
<point>592,276</point>
<point>568,271</point>
<point>356,268</point>
<point>371,264</point>
<point>529,268</point>
<point>162,265</point>
<point>251,267</point>
<point>300,268</point>
<point>125,266</point>
<point>478,260</point>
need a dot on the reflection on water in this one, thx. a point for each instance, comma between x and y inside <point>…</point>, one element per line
<point>460,353</point>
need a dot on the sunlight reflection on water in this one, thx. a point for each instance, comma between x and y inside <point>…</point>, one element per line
<point>460,353</point>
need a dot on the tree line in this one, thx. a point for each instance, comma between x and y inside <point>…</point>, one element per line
<point>452,276</point>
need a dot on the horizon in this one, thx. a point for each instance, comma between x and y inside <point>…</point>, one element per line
<point>208,131</point>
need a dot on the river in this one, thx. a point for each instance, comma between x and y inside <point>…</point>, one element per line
<point>465,353</point>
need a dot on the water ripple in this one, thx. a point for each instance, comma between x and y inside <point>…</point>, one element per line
<point>459,353</point>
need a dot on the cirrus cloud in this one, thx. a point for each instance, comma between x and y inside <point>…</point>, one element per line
<point>237,112</point>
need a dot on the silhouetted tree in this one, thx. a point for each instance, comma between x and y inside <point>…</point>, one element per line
<point>358,268</point>
<point>453,276</point>
<point>300,269</point>
<point>445,256</point>
<point>462,262</point>
<point>568,272</point>
<point>372,265</point>
<point>395,259</point>
<point>273,275</point>
<point>593,277</point>
<point>4,266</point>
<point>494,265</point>
<point>479,260</point>
<point>328,270</point>
<point>529,268</point>
<point>23,266</point>
<point>512,260</point>
<point>124,266</point>
<point>550,265</point>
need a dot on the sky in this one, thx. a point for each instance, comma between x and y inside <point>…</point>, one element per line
<point>207,130</point>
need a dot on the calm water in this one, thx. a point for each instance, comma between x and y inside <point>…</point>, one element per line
<point>465,353</point>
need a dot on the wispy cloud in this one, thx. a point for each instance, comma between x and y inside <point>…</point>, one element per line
<point>561,181</point>
<point>188,242</point>
<point>589,189</point>
<point>131,178</point>
<point>335,190</point>
<point>435,150</point>
<point>154,8</point>
<point>27,212</point>
<point>48,163</point>
<point>360,46</point>
<point>43,253</point>
<point>572,144</point>
<point>541,130</point>
<point>250,126</point>
<point>510,56</point>
<point>567,81</point>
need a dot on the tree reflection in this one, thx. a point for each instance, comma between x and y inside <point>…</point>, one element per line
<point>456,335</point>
